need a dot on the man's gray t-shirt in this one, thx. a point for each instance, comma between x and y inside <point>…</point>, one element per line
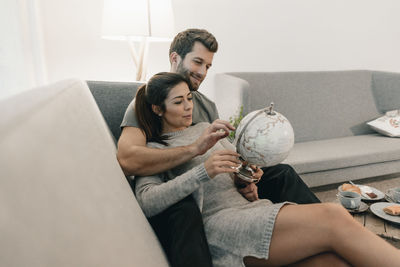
<point>204,110</point>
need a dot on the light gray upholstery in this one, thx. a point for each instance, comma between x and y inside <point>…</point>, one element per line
<point>344,152</point>
<point>328,111</point>
<point>386,90</point>
<point>113,98</point>
<point>64,200</point>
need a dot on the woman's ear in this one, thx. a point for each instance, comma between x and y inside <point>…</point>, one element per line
<point>157,110</point>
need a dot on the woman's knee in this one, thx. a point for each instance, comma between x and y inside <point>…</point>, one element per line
<point>334,212</point>
<point>336,219</point>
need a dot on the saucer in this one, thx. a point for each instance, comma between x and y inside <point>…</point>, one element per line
<point>363,207</point>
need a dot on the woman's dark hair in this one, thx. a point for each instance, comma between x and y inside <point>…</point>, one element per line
<point>154,93</point>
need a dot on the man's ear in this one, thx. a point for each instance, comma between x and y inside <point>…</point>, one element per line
<point>157,110</point>
<point>174,60</point>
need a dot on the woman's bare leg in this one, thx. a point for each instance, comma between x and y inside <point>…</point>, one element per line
<point>326,259</point>
<point>302,231</point>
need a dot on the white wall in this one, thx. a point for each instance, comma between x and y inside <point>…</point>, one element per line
<point>21,58</point>
<point>254,35</point>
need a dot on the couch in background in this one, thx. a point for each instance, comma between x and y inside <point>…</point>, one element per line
<point>328,111</point>
<point>64,200</point>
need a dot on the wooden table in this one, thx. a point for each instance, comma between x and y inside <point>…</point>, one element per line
<point>387,230</point>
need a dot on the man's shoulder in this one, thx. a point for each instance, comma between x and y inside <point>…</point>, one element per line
<point>129,119</point>
<point>204,109</point>
<point>202,98</point>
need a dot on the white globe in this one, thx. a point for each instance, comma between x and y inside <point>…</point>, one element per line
<point>264,137</point>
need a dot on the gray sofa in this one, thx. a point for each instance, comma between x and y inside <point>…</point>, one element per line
<point>64,200</point>
<point>328,111</point>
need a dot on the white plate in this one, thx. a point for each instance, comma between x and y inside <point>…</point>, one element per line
<point>389,198</point>
<point>363,207</point>
<point>377,209</point>
<point>379,194</point>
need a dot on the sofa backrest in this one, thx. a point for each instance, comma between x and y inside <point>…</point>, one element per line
<point>386,90</point>
<point>322,105</point>
<point>113,98</point>
<point>64,200</point>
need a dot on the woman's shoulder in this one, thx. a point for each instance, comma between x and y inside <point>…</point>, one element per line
<point>196,129</point>
<point>201,125</point>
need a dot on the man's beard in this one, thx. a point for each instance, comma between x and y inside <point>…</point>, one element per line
<point>187,74</point>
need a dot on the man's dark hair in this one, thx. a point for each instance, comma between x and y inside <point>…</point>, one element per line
<point>184,41</point>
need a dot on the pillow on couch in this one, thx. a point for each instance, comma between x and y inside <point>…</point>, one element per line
<point>388,125</point>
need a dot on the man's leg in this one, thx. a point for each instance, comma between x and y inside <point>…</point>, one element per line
<point>180,230</point>
<point>281,183</point>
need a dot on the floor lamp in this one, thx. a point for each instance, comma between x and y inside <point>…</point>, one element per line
<point>138,22</point>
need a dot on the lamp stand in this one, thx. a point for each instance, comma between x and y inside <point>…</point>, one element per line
<point>139,55</point>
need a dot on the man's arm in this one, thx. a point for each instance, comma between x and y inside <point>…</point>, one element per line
<point>137,159</point>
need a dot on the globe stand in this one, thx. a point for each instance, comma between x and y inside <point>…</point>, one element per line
<point>245,172</point>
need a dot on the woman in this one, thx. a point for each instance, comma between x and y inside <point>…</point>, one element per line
<point>239,232</point>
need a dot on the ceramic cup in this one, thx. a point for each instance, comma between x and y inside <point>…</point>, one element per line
<point>349,200</point>
<point>394,193</point>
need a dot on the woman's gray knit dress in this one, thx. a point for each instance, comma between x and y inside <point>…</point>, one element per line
<point>234,226</point>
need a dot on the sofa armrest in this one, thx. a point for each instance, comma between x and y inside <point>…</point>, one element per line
<point>231,93</point>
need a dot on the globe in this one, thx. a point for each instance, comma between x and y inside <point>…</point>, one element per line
<point>264,137</point>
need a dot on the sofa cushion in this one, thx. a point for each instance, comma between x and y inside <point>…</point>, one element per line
<point>330,154</point>
<point>64,200</point>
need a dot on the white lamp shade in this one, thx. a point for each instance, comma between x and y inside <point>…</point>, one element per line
<point>134,19</point>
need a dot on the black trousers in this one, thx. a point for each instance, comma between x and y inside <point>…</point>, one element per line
<point>180,228</point>
<point>281,183</point>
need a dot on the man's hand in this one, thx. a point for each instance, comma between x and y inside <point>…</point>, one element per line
<point>217,130</point>
<point>257,172</point>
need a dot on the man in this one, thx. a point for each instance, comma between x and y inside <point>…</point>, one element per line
<point>180,228</point>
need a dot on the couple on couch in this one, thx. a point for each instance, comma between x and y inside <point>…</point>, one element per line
<point>185,183</point>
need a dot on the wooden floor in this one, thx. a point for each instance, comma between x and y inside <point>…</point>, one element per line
<point>328,193</point>
<point>387,230</point>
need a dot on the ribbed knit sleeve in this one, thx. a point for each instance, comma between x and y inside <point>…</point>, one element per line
<point>155,195</point>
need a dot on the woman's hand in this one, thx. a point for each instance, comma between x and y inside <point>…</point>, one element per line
<point>222,161</point>
<point>212,134</point>
<point>249,190</point>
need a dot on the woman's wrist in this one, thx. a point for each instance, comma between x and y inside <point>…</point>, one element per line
<point>193,150</point>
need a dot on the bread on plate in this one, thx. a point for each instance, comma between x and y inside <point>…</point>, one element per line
<point>392,210</point>
<point>351,188</point>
